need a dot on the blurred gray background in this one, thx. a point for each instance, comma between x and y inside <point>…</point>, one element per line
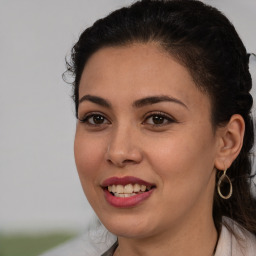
<point>39,187</point>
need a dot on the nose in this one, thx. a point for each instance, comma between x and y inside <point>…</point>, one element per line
<point>123,148</point>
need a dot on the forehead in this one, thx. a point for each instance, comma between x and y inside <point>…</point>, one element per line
<point>138,70</point>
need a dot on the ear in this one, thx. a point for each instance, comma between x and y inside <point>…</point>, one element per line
<point>230,142</point>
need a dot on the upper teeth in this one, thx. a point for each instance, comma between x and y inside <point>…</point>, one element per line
<point>127,189</point>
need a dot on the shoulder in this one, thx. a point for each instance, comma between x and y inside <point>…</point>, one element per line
<point>88,244</point>
<point>243,243</point>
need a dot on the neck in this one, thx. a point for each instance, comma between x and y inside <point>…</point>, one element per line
<point>197,239</point>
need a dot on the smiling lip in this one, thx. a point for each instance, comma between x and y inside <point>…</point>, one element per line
<point>126,202</point>
<point>124,181</point>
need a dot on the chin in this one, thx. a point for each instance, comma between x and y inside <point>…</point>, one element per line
<point>130,227</point>
<point>129,232</point>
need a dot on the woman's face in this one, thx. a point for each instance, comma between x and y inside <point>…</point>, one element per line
<point>144,126</point>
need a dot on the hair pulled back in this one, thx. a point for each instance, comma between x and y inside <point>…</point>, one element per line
<point>206,43</point>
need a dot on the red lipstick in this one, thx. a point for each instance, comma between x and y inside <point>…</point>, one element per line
<point>132,200</point>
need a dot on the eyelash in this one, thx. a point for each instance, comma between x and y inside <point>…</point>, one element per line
<point>166,118</point>
<point>86,118</point>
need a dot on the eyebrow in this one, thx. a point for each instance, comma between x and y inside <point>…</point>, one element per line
<point>156,99</point>
<point>137,104</point>
<point>98,100</point>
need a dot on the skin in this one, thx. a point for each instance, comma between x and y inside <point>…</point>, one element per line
<point>178,155</point>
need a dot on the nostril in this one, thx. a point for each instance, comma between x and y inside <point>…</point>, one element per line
<point>128,161</point>
<point>121,163</point>
<point>121,158</point>
<point>109,161</point>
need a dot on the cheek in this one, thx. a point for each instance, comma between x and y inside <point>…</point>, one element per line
<point>185,172</point>
<point>184,160</point>
<point>89,153</point>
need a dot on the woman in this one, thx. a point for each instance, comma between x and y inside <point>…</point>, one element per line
<point>164,131</point>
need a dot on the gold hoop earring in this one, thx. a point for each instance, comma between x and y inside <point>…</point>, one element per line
<point>221,179</point>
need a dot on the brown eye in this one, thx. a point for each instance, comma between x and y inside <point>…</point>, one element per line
<point>95,120</point>
<point>158,119</point>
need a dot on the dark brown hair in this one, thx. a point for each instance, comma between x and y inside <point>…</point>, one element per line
<point>207,44</point>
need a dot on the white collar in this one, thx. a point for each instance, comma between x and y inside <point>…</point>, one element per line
<point>241,244</point>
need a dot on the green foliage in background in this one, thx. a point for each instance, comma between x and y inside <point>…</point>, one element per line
<point>30,245</point>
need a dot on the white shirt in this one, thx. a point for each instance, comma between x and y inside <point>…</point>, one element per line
<point>230,245</point>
